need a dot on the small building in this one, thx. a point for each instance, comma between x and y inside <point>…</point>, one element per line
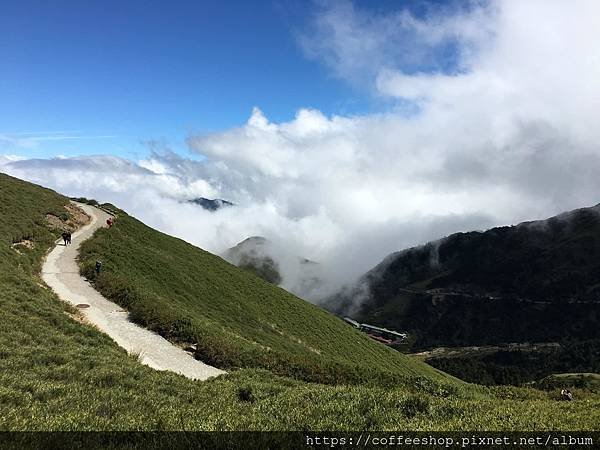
<point>383,334</point>
<point>354,323</point>
<point>379,334</point>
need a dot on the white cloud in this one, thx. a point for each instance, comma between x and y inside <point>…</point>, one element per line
<point>31,140</point>
<point>510,136</point>
<point>357,44</point>
<point>5,159</point>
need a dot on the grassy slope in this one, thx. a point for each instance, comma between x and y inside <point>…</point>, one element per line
<point>57,374</point>
<point>235,318</point>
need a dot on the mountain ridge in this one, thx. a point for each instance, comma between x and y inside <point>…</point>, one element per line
<point>477,288</point>
<point>211,204</point>
<point>277,265</point>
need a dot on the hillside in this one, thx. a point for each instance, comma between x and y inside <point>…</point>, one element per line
<point>252,254</point>
<point>57,373</point>
<point>277,265</point>
<point>516,364</point>
<point>490,287</point>
<point>233,318</point>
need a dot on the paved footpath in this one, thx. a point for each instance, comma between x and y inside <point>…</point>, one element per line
<point>61,272</point>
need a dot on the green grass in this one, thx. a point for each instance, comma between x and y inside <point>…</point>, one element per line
<point>585,380</point>
<point>236,319</point>
<point>58,374</point>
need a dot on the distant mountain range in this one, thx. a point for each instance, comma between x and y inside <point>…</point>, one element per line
<point>211,204</point>
<point>252,254</point>
<point>534,282</point>
<point>276,265</point>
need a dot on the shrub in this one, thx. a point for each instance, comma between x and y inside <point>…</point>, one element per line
<point>245,394</point>
<point>414,405</point>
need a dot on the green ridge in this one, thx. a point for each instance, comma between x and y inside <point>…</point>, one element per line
<point>235,318</point>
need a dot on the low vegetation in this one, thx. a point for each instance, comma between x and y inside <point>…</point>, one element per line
<point>235,319</point>
<point>521,365</point>
<point>57,373</point>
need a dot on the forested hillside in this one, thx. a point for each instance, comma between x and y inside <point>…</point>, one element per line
<point>534,282</point>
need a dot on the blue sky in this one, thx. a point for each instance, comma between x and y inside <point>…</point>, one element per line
<point>120,73</point>
<point>105,76</point>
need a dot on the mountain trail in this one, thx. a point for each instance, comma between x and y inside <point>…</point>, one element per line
<point>61,272</point>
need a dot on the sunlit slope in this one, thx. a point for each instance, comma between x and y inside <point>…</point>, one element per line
<point>23,208</point>
<point>235,318</point>
<point>56,373</point>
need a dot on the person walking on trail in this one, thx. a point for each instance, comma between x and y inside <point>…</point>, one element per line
<point>66,237</point>
<point>110,221</point>
<point>567,394</point>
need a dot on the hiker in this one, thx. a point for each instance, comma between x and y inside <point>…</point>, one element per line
<point>98,267</point>
<point>566,394</point>
<point>68,238</point>
<point>110,221</point>
<point>65,237</point>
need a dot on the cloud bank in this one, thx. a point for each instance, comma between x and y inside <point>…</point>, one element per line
<point>31,140</point>
<point>493,122</point>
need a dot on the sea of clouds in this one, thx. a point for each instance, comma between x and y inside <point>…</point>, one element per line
<point>504,132</point>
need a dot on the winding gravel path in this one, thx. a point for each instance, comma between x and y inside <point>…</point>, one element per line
<point>61,273</point>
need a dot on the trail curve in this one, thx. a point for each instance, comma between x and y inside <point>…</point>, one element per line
<point>61,272</point>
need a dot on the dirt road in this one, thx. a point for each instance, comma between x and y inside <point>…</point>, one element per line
<point>61,273</point>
